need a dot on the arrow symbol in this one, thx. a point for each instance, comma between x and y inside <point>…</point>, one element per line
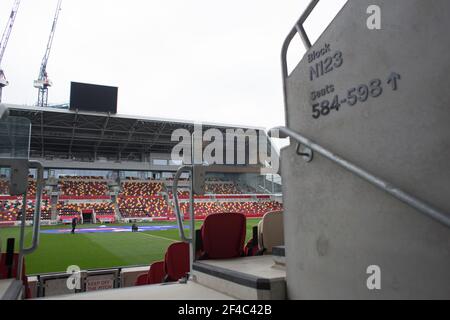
<point>393,78</point>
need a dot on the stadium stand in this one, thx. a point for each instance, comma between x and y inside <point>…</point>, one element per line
<point>137,200</point>
<point>100,208</point>
<point>69,209</point>
<point>221,188</point>
<point>202,208</point>
<point>31,191</point>
<point>81,187</point>
<point>8,213</point>
<point>143,199</point>
<point>11,210</point>
<point>135,189</point>
<point>246,207</point>
<point>46,210</point>
<point>251,208</point>
<point>141,207</point>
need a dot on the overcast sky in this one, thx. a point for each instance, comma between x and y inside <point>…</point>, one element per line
<point>202,60</point>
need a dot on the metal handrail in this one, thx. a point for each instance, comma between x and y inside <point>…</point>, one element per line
<point>37,210</point>
<point>297,29</point>
<point>36,218</point>
<point>176,202</point>
<point>191,240</point>
<point>389,188</point>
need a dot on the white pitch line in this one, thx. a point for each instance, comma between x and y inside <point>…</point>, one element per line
<point>150,235</point>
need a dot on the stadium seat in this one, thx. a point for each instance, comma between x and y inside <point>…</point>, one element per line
<point>142,280</point>
<point>176,262</point>
<point>271,231</point>
<point>223,236</point>
<point>154,275</point>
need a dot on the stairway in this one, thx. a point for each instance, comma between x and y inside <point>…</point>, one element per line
<point>251,278</point>
<point>116,208</point>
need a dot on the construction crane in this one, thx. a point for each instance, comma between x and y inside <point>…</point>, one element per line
<point>4,42</point>
<point>43,82</point>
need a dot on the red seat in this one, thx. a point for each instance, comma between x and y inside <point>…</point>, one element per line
<point>223,236</point>
<point>155,275</point>
<point>174,267</point>
<point>142,280</point>
<point>176,262</point>
<point>15,266</point>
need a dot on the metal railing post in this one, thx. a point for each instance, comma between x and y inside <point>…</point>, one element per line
<point>183,237</point>
<point>192,223</point>
<point>23,220</point>
<point>176,203</point>
<point>298,28</point>
<point>36,218</point>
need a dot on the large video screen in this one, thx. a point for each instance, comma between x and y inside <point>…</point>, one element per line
<point>91,97</point>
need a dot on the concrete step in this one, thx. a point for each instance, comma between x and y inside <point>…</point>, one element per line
<point>251,278</point>
<point>279,255</point>
<point>170,291</point>
<point>10,289</point>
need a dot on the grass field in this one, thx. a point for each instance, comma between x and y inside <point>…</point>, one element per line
<point>98,250</point>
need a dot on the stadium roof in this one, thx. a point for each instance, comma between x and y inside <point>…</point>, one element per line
<point>75,135</point>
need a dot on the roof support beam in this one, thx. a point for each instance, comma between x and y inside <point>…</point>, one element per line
<point>130,135</point>
<point>75,122</point>
<point>158,135</point>
<point>105,125</point>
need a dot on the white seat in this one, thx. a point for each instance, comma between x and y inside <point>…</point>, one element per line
<point>271,231</point>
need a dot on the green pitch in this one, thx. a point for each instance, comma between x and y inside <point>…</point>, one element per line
<point>97,250</point>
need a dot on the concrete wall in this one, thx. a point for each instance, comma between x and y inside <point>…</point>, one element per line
<point>336,224</point>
